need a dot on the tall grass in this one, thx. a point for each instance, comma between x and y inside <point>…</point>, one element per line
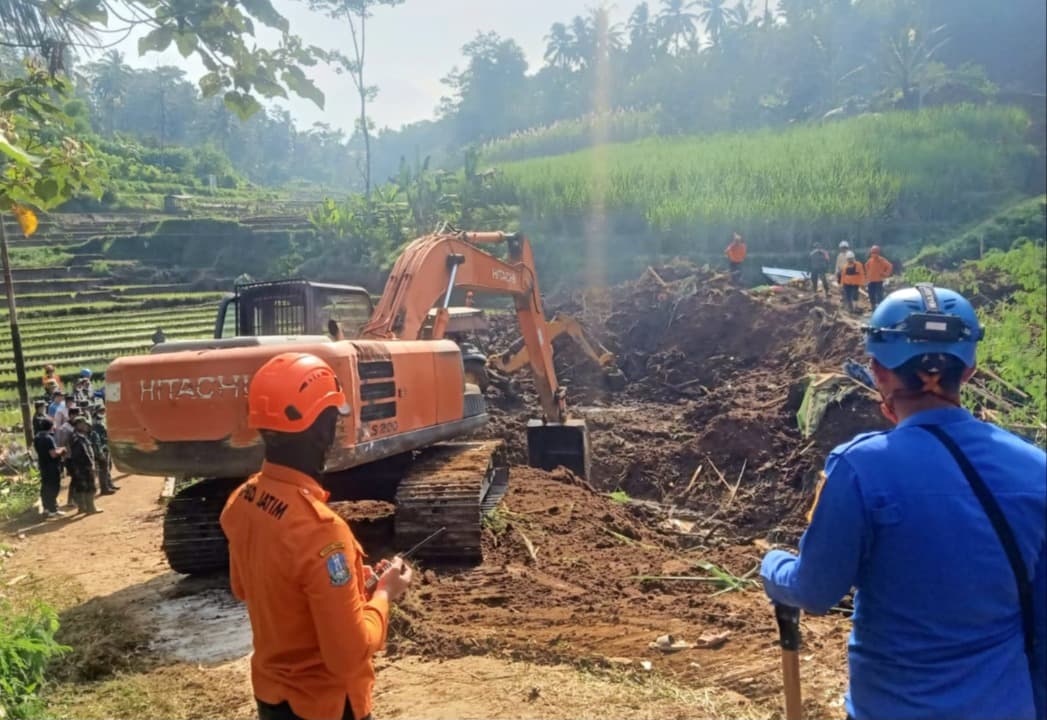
<point>845,178</point>
<point>567,136</point>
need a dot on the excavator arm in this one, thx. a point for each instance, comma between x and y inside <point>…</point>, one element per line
<point>426,273</point>
<point>432,266</point>
<point>516,356</point>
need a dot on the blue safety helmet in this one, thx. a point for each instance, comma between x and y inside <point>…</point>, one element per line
<point>85,373</point>
<point>922,320</point>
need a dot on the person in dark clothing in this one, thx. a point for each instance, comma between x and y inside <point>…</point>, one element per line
<point>82,468</point>
<point>100,444</point>
<point>159,337</point>
<point>39,416</point>
<point>49,460</point>
<point>818,265</point>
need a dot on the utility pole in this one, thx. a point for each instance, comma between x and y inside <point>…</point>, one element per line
<point>16,338</point>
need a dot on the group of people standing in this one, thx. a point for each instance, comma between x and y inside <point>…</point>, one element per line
<point>70,437</point>
<point>850,273</point>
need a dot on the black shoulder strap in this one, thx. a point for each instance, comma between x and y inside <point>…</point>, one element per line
<point>1003,531</point>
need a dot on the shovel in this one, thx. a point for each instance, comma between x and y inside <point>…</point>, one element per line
<point>789,638</point>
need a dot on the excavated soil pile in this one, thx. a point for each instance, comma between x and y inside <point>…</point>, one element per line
<point>567,577</point>
<point>715,377</point>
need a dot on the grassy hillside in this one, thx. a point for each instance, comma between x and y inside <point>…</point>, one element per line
<point>1008,284</point>
<point>893,178</point>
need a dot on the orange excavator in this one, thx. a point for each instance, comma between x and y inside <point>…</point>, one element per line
<point>181,411</point>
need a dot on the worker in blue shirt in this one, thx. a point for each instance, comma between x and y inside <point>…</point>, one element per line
<point>949,615</point>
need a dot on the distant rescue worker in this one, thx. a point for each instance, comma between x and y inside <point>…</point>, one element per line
<point>818,267</point>
<point>51,377</point>
<point>39,415</point>
<point>735,253</point>
<point>83,390</point>
<point>852,277</point>
<point>100,444</point>
<point>82,467</point>
<point>877,269</point>
<point>296,564</point>
<point>939,525</point>
<point>159,337</point>
<point>49,459</point>
<point>841,260</point>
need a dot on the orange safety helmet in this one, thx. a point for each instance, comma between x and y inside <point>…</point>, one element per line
<point>290,391</point>
<point>874,250</point>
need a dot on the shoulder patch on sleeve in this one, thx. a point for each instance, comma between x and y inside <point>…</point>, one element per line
<point>328,549</point>
<point>338,569</point>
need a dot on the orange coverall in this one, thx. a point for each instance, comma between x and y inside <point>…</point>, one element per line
<point>878,268</point>
<point>736,252</point>
<point>299,569</point>
<point>857,277</point>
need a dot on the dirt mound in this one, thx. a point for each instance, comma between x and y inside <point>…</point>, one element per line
<point>571,576</point>
<point>715,377</point>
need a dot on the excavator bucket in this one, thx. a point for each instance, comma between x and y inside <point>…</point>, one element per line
<point>550,445</point>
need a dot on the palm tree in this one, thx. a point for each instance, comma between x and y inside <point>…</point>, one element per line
<point>584,42</point>
<point>559,46</point>
<point>676,26</point>
<point>715,17</point>
<point>109,80</point>
<point>910,56</point>
<point>739,17</point>
<point>607,36</point>
<point>641,36</point>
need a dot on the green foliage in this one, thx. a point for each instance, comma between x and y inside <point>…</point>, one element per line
<point>619,496</point>
<point>40,165</point>
<point>833,177</point>
<point>567,136</point>
<point>1025,218</point>
<point>1015,344</point>
<point>33,256</point>
<point>18,493</point>
<point>27,645</point>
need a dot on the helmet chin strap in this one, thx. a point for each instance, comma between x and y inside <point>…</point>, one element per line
<point>931,386</point>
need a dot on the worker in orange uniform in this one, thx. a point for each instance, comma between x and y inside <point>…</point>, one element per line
<point>51,381</point>
<point>735,253</point>
<point>295,562</point>
<point>852,277</point>
<point>877,269</point>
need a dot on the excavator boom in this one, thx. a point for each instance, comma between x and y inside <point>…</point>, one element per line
<point>425,275</point>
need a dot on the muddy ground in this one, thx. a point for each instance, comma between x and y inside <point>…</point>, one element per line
<point>558,620</point>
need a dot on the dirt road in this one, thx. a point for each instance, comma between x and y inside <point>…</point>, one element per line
<point>509,639</point>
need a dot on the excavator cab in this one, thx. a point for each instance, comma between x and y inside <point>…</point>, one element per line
<point>292,308</point>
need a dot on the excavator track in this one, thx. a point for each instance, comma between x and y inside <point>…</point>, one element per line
<point>193,539</point>
<point>451,485</point>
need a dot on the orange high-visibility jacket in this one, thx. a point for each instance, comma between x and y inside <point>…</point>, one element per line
<point>736,251</point>
<point>856,276</point>
<point>300,570</point>
<point>878,268</point>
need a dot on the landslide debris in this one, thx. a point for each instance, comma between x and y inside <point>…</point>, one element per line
<point>715,377</point>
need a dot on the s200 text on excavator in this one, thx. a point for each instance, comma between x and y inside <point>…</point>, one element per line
<point>181,411</point>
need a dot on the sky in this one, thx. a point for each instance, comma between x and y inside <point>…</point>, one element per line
<point>409,49</point>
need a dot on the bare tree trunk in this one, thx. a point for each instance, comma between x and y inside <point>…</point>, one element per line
<point>16,338</point>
